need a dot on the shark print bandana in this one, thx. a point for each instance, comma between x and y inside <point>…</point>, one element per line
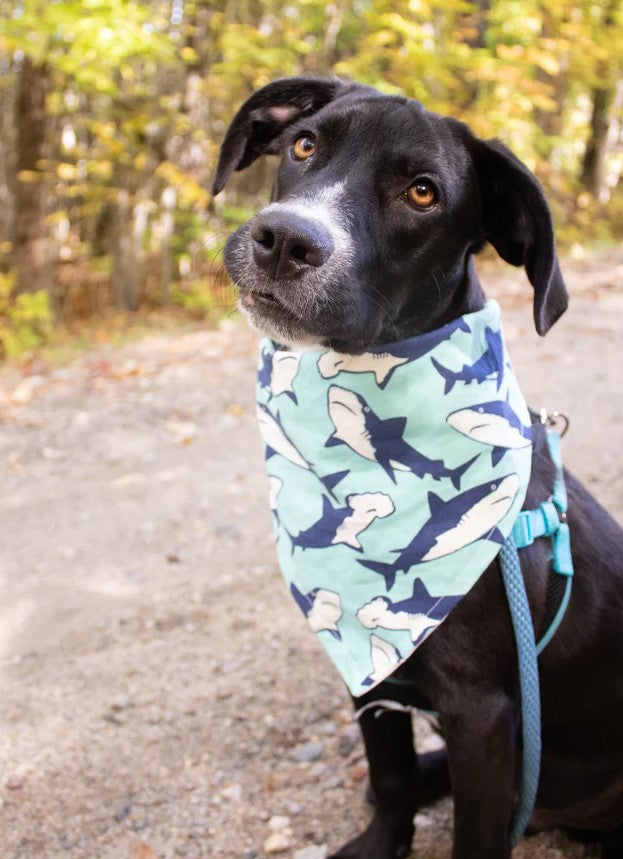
<point>394,478</point>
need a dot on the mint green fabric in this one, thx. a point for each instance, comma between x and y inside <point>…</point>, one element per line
<point>395,476</point>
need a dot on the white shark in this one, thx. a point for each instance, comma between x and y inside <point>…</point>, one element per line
<point>276,440</point>
<point>382,364</point>
<point>347,413</point>
<point>472,515</point>
<point>385,657</point>
<point>493,423</point>
<point>381,440</point>
<point>478,521</point>
<point>275,485</point>
<point>284,371</point>
<point>379,612</point>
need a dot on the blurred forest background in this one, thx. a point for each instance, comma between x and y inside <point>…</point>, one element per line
<point>111,114</point>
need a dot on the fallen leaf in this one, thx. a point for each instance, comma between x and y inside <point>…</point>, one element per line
<point>144,851</point>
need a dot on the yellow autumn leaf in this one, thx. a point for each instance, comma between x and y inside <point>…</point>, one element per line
<point>28,176</point>
<point>67,172</point>
<point>188,54</point>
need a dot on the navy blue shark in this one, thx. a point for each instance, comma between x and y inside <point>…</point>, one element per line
<point>343,525</point>
<point>422,344</point>
<point>421,602</point>
<point>467,517</point>
<point>323,532</point>
<point>265,370</point>
<point>358,427</point>
<point>491,361</point>
<point>418,615</point>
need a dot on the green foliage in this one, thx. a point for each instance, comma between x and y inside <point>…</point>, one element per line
<point>195,297</point>
<point>96,43</point>
<point>25,321</point>
<point>141,92</point>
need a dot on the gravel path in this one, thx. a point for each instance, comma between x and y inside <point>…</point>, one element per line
<point>159,693</point>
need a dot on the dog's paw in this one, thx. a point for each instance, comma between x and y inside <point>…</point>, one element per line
<point>380,841</point>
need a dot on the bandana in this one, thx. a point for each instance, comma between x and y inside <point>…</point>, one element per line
<point>394,478</point>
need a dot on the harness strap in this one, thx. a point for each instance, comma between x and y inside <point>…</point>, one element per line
<point>549,520</point>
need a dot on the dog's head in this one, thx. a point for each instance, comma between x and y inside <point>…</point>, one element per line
<point>377,209</point>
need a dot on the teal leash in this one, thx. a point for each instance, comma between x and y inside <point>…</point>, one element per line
<point>528,685</point>
<point>548,520</point>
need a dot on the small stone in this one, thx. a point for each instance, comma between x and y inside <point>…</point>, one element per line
<point>278,822</point>
<point>348,740</point>
<point>123,812</point>
<point>358,772</point>
<point>23,392</point>
<point>318,769</point>
<point>278,842</point>
<point>307,752</point>
<point>314,851</point>
<point>232,792</point>
<point>52,453</point>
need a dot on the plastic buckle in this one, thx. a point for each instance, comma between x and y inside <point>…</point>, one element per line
<point>551,518</point>
<point>522,530</point>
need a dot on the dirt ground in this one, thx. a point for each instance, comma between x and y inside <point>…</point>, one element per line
<point>160,695</point>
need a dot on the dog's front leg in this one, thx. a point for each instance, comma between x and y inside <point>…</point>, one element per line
<point>481,744</point>
<point>388,741</point>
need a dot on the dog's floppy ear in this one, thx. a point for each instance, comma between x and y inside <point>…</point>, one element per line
<point>517,221</point>
<point>264,115</point>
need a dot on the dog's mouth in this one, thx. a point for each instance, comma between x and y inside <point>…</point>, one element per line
<point>270,315</point>
<point>265,306</point>
<point>258,299</point>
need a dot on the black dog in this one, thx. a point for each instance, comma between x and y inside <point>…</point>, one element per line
<point>378,208</point>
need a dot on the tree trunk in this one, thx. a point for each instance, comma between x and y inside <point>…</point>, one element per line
<point>594,155</point>
<point>125,255</point>
<point>475,25</point>
<point>550,121</point>
<point>603,94</point>
<point>29,255</point>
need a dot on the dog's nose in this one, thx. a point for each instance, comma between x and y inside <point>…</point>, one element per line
<point>286,245</point>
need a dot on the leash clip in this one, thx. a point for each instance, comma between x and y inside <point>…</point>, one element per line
<point>553,419</point>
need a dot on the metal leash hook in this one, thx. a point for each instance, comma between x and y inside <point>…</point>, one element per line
<point>553,419</point>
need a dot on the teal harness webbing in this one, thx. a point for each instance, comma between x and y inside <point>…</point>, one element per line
<point>550,520</point>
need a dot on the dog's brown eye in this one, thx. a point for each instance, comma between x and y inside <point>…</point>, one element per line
<point>422,194</point>
<point>304,148</point>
